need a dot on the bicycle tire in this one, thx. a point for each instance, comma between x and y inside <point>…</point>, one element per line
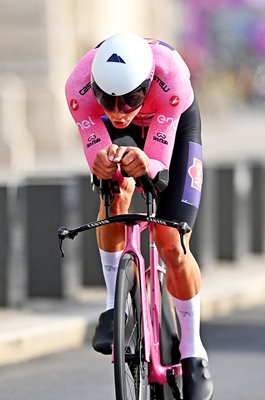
<point>130,369</point>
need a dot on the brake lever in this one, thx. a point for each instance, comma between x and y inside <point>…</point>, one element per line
<point>183,229</point>
<point>64,233</point>
<point>182,242</point>
<point>61,247</point>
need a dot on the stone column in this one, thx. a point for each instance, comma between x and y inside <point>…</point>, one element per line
<point>4,242</point>
<point>233,214</point>
<point>49,203</point>
<point>257,208</point>
<point>16,142</point>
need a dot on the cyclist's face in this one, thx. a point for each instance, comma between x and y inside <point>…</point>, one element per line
<point>120,119</point>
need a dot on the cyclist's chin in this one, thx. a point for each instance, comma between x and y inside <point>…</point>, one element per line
<point>120,124</point>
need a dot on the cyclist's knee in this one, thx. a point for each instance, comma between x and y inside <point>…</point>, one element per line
<point>120,204</point>
<point>173,255</point>
<point>170,248</point>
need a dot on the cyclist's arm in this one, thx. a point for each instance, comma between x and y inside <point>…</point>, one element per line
<point>168,106</point>
<point>85,110</point>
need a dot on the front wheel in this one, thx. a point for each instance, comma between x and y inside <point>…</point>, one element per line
<point>130,369</point>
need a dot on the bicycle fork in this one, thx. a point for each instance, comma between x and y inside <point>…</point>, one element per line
<point>150,305</point>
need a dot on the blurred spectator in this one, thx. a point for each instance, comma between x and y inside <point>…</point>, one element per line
<point>225,48</point>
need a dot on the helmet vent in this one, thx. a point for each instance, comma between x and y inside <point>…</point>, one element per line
<point>115,58</point>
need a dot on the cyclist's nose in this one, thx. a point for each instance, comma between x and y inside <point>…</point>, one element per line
<point>118,114</point>
<point>120,104</point>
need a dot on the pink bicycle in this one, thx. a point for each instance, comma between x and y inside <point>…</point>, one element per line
<point>145,352</point>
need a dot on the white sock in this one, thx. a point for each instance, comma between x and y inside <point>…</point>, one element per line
<point>110,263</point>
<point>188,312</point>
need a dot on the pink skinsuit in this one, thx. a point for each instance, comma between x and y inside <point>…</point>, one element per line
<point>169,96</point>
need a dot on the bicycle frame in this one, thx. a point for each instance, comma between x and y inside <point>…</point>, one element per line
<point>135,224</point>
<point>150,322</point>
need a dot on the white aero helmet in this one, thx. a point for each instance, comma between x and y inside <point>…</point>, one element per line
<point>122,72</point>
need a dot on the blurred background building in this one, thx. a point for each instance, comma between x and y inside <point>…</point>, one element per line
<point>41,41</point>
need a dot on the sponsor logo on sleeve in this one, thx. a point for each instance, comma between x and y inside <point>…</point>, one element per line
<point>161,119</point>
<point>85,89</point>
<point>85,124</point>
<point>161,138</point>
<point>92,139</point>
<point>174,101</point>
<point>74,105</point>
<point>196,174</point>
<point>162,84</point>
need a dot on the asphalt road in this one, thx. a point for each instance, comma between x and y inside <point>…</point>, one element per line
<point>236,347</point>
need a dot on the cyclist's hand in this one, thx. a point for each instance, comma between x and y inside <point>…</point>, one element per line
<point>132,160</point>
<point>104,166</point>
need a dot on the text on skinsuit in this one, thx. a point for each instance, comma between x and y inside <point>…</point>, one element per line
<point>161,119</point>
<point>85,89</point>
<point>160,137</point>
<point>161,83</point>
<point>85,124</point>
<point>92,142</point>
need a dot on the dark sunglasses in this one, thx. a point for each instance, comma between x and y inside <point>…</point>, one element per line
<point>125,103</point>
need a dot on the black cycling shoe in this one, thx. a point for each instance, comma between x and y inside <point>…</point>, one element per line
<point>197,381</point>
<point>103,337</point>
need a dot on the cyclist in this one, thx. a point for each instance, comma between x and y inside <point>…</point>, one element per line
<point>134,106</point>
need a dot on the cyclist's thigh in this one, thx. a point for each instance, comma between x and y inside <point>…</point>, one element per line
<point>180,201</point>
